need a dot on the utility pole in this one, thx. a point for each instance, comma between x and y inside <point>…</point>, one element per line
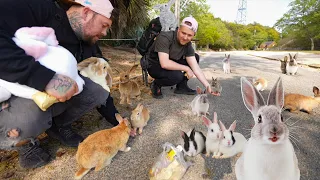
<point>177,11</point>
<point>242,12</point>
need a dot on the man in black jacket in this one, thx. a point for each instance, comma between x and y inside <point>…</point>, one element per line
<point>78,25</point>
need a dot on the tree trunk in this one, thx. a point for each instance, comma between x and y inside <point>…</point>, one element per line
<point>207,46</point>
<point>312,44</point>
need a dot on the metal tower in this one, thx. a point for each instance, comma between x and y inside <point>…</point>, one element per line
<point>242,12</point>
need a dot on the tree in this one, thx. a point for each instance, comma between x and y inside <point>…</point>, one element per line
<point>133,14</point>
<point>302,20</point>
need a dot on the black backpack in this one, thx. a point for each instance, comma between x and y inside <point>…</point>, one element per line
<point>149,35</point>
<point>144,44</point>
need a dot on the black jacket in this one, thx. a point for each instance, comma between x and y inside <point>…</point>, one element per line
<point>15,65</point>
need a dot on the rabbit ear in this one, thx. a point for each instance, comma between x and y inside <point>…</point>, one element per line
<point>295,56</point>
<point>215,117</point>
<point>276,96</point>
<point>315,91</point>
<point>85,63</point>
<point>133,68</point>
<point>285,58</point>
<point>223,128</point>
<point>206,121</point>
<point>199,90</point>
<point>119,118</point>
<point>251,97</point>
<point>192,134</point>
<point>225,55</point>
<point>140,106</point>
<point>184,136</point>
<point>290,56</point>
<point>228,56</point>
<point>233,126</point>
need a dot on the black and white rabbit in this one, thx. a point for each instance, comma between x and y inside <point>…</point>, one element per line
<point>231,142</point>
<point>194,142</point>
<point>292,65</point>
<point>213,135</point>
<point>200,104</point>
<point>268,154</point>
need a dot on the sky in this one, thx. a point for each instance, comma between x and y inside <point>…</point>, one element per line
<point>265,12</point>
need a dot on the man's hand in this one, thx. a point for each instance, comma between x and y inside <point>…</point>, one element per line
<point>209,91</point>
<point>189,73</point>
<point>61,87</point>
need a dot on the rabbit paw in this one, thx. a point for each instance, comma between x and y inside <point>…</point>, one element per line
<point>127,149</point>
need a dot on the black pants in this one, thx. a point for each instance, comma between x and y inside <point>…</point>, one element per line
<point>108,111</point>
<point>165,77</point>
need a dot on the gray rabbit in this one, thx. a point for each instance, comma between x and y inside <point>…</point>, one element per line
<point>167,18</point>
<point>216,87</point>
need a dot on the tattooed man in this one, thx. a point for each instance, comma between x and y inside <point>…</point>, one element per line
<point>78,25</point>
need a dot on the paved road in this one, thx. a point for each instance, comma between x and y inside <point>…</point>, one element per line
<point>172,114</point>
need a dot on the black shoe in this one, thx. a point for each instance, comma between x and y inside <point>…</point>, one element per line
<point>65,135</point>
<point>156,91</point>
<point>183,88</point>
<point>32,156</point>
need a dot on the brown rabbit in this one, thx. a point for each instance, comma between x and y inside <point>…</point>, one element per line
<point>260,83</point>
<point>139,118</point>
<point>283,66</point>
<point>98,149</point>
<point>128,88</point>
<point>298,102</point>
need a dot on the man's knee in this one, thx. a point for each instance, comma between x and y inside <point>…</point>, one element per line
<point>24,116</point>
<point>95,92</point>
<point>175,77</point>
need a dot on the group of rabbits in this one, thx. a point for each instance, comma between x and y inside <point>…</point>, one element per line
<point>266,153</point>
<point>98,149</point>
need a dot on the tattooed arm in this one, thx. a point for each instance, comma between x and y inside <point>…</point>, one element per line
<point>61,87</point>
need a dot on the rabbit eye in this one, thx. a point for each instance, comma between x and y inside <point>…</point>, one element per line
<point>104,67</point>
<point>126,76</point>
<point>224,137</point>
<point>211,130</point>
<point>259,119</point>
<point>281,118</point>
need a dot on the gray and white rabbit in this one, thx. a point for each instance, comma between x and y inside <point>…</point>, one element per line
<point>200,104</point>
<point>292,65</point>
<point>194,142</point>
<point>226,64</point>
<point>231,142</point>
<point>216,87</point>
<point>213,135</point>
<point>167,17</point>
<point>283,65</point>
<point>269,153</point>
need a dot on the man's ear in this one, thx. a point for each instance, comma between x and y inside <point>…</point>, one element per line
<point>86,14</point>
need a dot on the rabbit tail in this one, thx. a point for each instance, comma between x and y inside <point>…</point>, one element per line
<point>81,172</point>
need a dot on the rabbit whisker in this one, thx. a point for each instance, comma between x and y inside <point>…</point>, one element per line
<point>294,127</point>
<point>287,119</point>
<point>294,141</point>
<point>294,123</point>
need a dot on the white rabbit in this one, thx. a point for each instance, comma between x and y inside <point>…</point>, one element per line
<point>226,64</point>
<point>194,142</point>
<point>292,65</point>
<point>231,142</point>
<point>269,153</point>
<point>200,104</point>
<point>41,43</point>
<point>167,18</point>
<point>213,135</point>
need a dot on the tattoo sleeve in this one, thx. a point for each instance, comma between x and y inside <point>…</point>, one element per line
<point>60,84</point>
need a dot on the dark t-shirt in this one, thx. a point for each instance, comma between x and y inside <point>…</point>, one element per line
<point>167,42</point>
